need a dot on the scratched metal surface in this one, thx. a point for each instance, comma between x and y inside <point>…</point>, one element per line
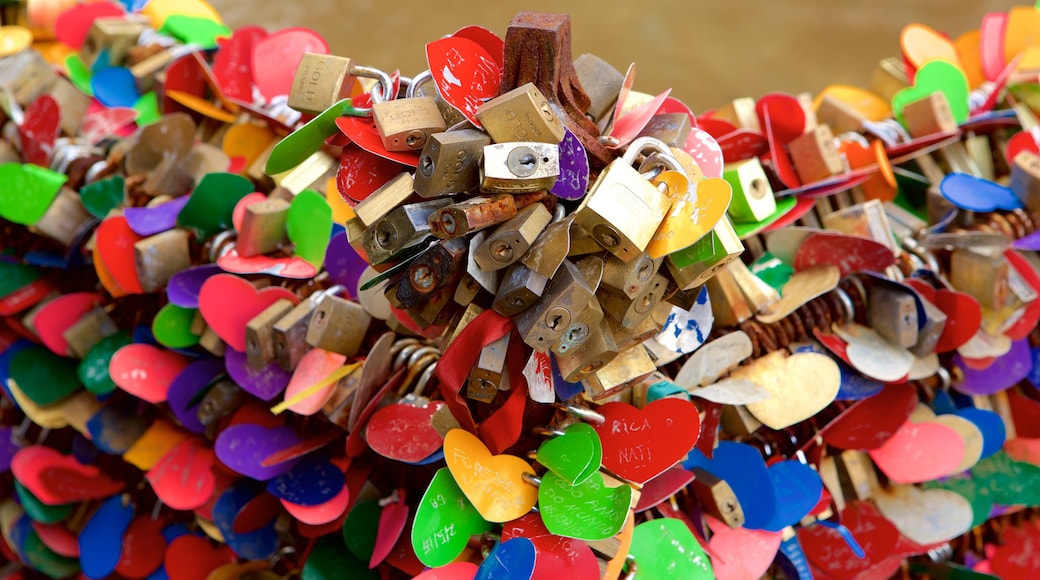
<point>706,51</point>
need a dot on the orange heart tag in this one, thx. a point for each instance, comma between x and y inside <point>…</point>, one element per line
<point>692,217</point>
<point>494,484</point>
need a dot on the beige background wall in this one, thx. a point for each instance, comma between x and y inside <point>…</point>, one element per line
<point>707,52</point>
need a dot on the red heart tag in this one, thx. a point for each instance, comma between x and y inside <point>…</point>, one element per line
<point>257,513</point>
<point>233,63</point>
<point>59,479</point>
<point>58,315</point>
<point>1029,320</point>
<point>827,550</point>
<point>706,151</point>
<point>742,144</point>
<point>191,557</point>
<point>276,57</point>
<point>146,371</point>
<point>717,127</point>
<point>143,548</point>
<point>101,123</point>
<point>322,514</point>
<point>405,431</point>
<point>779,160</point>
<point>392,521</point>
<point>662,487</point>
<point>870,422</point>
<point>1026,414</point>
<point>632,123</point>
<point>919,452</point>
<point>184,478</point>
<point>963,319</point>
<point>741,552</point>
<point>529,526</point>
<point>184,75</point>
<point>783,115</point>
<point>39,130</point>
<point>290,267</point>
<point>1019,555</point>
<point>639,444</point>
<point>362,131</point>
<point>465,73</point>
<point>360,173</point>
<point>115,246</point>
<point>558,557</point>
<point>1022,141</point>
<point>848,253</point>
<point>58,538</point>
<point>489,41</point>
<point>74,22</point>
<point>228,302</point>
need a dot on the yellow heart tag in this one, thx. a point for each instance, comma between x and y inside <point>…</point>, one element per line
<point>160,439</point>
<point>922,44</point>
<point>792,399</point>
<point>692,217</point>
<point>494,484</point>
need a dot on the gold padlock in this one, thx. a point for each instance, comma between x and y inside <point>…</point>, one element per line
<point>868,219</point>
<point>26,75</point>
<point>753,199</point>
<point>815,155</point>
<point>737,421</point>
<point>472,215</point>
<point>617,375</point>
<point>511,240</point>
<point>984,277</point>
<point>321,80</point>
<point>631,311</point>
<point>114,35</point>
<point>1025,179</point>
<point>404,227</point>
<point>439,309</point>
<point>88,331</point>
<point>692,267</point>
<point>161,256</point>
<point>582,361</point>
<point>562,314</point>
<point>406,124</point>
<point>489,375</point>
<point>622,210</point>
<point>669,128</point>
<point>260,334</point>
<point>290,334</point>
<point>601,82</point>
<point>717,498</point>
<point>263,228</point>
<point>522,114</point>
<point>893,314</point>
<point>73,104</point>
<point>728,304</point>
<point>857,475</point>
<point>422,85</point>
<point>383,200</point>
<point>223,399</point>
<point>64,218</point>
<point>338,325</point>
<point>929,115</point>
<point>630,278</point>
<point>929,334</point>
<point>519,167</point>
<point>841,117</point>
<point>212,342</point>
<point>450,163</point>
<point>519,289</point>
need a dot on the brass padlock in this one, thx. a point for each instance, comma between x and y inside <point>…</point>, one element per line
<point>815,155</point>
<point>630,278</point>
<point>26,75</point>
<point>212,343</point>
<point>114,35</point>
<point>867,219</point>
<point>617,375</point>
<point>450,163</point>
<point>622,210</point>
<point>161,256</point>
<point>857,475</point>
<point>1025,179</point>
<point>717,498</point>
<point>489,375</point>
<point>170,178</point>
<point>893,314</point>
<point>472,215</point>
<point>406,124</point>
<point>929,334</point>
<point>669,128</point>
<point>260,341</point>
<point>519,167</point>
<point>753,199</point>
<point>728,305</point>
<point>582,361</point>
<point>383,200</point>
<point>422,85</point>
<point>559,315</point>
<point>64,218</point>
<point>841,117</point>
<point>436,268</point>
<point>648,328</point>
<point>888,78</point>
<point>404,227</point>
<point>223,399</point>
<point>741,112</point>
<point>984,277</point>
<point>290,334</point>
<point>338,325</point>
<point>601,82</point>
<point>737,421</point>
<point>522,114</point>
<point>631,311</point>
<point>511,240</point>
<point>467,290</point>
<point>263,228</point>
<point>88,331</point>
<point>437,310</point>
<point>519,289</point>
<point>929,115</point>
<point>321,80</point>
<point>72,103</point>
<point>693,266</point>
<point>147,67</point>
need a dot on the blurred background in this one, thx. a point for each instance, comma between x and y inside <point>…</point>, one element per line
<point>707,52</point>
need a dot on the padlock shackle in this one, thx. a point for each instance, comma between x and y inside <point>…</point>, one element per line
<point>382,80</point>
<point>417,81</point>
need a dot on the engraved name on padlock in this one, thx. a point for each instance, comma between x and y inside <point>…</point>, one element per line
<point>406,124</point>
<point>321,80</point>
<point>522,114</point>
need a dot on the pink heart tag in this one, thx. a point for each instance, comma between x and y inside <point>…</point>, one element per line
<point>146,371</point>
<point>919,452</point>
<point>228,302</point>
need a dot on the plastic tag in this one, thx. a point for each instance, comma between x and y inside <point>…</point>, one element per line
<point>1005,372</point>
<point>209,209</point>
<point>639,444</point>
<point>145,371</point>
<point>977,194</point>
<point>742,553</point>
<point>186,391</point>
<point>872,421</point>
<point>188,461</point>
<point>101,540</point>
<point>28,192</point>
<point>147,221</point>
<point>172,327</point>
<point>574,456</point>
<point>244,447</point>
<point>190,557</point>
<point>363,132</point>
<point>919,452</point>
<point>42,376</point>
<point>444,521</point>
<point>55,317</point>
<point>493,483</point>
<point>743,468</point>
<point>303,142</point>
<point>925,516</point>
<point>404,431</point>
<point>666,548</point>
<point>798,488</point>
<point>58,479</point>
<point>233,62</point>
<point>539,375</point>
<point>309,225</point>
<point>265,384</point>
<point>849,254</point>
<point>465,73</point>
<point>936,75</point>
<point>692,216</point>
<point>228,302</point>
<point>574,168</point>
<point>586,511</point>
<point>276,57</point>
<point>184,286</point>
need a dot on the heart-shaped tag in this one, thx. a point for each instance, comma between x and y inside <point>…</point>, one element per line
<point>787,404</point>
<point>977,194</point>
<point>574,456</point>
<point>919,452</point>
<point>666,548</point>
<point>308,484</point>
<point>259,544</point>
<point>628,125</point>
<point>744,469</point>
<point>639,444</point>
<point>309,225</point>
<point>276,57</point>
<point>186,391</point>
<point>977,494</point>
<point>58,538</point>
<point>991,425</point>
<point>212,203</point>
<point>143,548</point>
<point>922,44</point>
<point>364,133</point>
<point>798,488</point>
<point>39,511</point>
<point>393,518</point>
<point>147,221</point>
<point>28,192</point>
<point>361,528</point>
<point>1006,371</point>
<point>713,360</point>
<point>116,428</point>
<point>741,553</point>
<point>189,461</point>
<point>1008,482</point>
<point>115,248</point>
<point>466,75</point>
<point>42,376</point>
<point>849,254</point>
<point>691,217</point>
<point>74,22</point>
<point>233,62</point>
<point>40,127</point>
<point>244,447</point>
<point>493,484</point>
<point>101,540</point>
<point>115,87</point>
<point>228,302</point>
<point>588,511</point>
<point>58,315</point>
<point>317,368</point>
<point>191,557</point>
<point>404,431</point>
<point>925,517</point>
<point>265,383</point>
<point>936,76</point>
<point>830,551</point>
<point>872,355</point>
<point>563,557</point>
<point>184,286</point>
<point>172,327</point>
<point>871,422</point>
<point>1016,556</point>
<point>574,168</point>
<point>247,142</point>
<point>283,267</point>
<point>58,479</point>
<point>146,371</point>
<point>360,173</point>
<point>444,521</point>
<point>508,560</point>
<point>93,369</point>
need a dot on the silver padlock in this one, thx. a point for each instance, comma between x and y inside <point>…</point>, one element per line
<point>520,167</point>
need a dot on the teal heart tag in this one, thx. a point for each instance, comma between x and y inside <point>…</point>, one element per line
<point>39,511</point>
<point>43,376</point>
<point>101,197</point>
<point>14,276</point>
<point>93,369</point>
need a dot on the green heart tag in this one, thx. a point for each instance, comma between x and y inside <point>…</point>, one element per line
<point>977,495</point>
<point>575,455</point>
<point>172,327</point>
<point>303,142</point>
<point>14,276</point>
<point>43,376</point>
<point>937,75</point>
<point>309,226</point>
<point>329,560</point>
<point>46,560</point>
<point>589,511</point>
<point>665,548</point>
<point>195,30</point>
<point>147,107</point>
<point>1009,482</point>
<point>101,197</point>
<point>444,521</point>
<point>783,205</point>
<point>93,369</point>
<point>360,528</point>
<point>27,192</point>
<point>39,511</point>
<point>209,209</point>
<point>78,73</point>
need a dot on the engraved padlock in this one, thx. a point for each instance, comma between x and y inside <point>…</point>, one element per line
<point>692,266</point>
<point>260,341</point>
<point>322,80</point>
<point>402,228</point>
<point>406,124</point>
<point>522,114</point>
<point>338,325</point>
<point>929,115</point>
<point>562,315</point>
<point>716,498</point>
<point>519,167</point>
<point>263,228</point>
<point>161,256</point>
<point>622,210</point>
<point>511,240</point>
<point>582,361</point>
<point>450,163</point>
<point>753,199</point>
<point>815,155</point>
<point>383,200</point>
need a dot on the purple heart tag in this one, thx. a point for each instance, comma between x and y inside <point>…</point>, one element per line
<point>308,484</point>
<point>343,263</point>
<point>243,447</point>
<point>265,384</point>
<point>1030,242</point>
<point>8,447</point>
<point>147,221</point>
<point>186,387</point>
<point>574,169</point>
<point>183,288</point>
<point>1003,373</point>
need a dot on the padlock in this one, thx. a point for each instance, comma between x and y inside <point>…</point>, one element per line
<point>115,36</point>
<point>462,320</point>
<point>290,333</point>
<point>545,324</point>
<point>669,128</point>
<point>422,85</point>
<point>170,178</point>
<point>631,310</point>
<point>929,334</point>
<point>467,290</point>
<point>321,80</point>
<point>582,361</point>
<point>889,77</point>
<point>458,219</point>
<point>436,268</point>
<point>857,475</point>
<point>893,314</point>
<point>929,115</point>
<point>450,163</point>
<point>1025,179</point>
<point>486,378</point>
<point>646,329</point>
<point>753,199</point>
<point>758,295</point>
<point>519,167</point>
<point>737,421</point>
<point>72,103</point>
<point>86,332</point>
<point>338,325</point>
<point>522,114</point>
<point>64,218</point>
<point>815,155</point>
<point>406,124</point>
<point>260,340</point>
<point>622,210</point>
<point>693,266</point>
<point>616,376</point>
<point>341,401</point>
<point>741,112</point>
<point>212,343</point>
<point>511,240</point>
<point>601,83</point>
<point>161,256</point>
<point>717,498</point>
<point>263,228</point>
<point>26,75</point>
<point>437,310</point>
<point>221,400</point>
<point>404,227</point>
<point>383,200</point>
<point>839,115</point>
<point>728,305</point>
<point>984,277</point>
<point>519,289</point>
<point>629,278</point>
<point>868,220</point>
